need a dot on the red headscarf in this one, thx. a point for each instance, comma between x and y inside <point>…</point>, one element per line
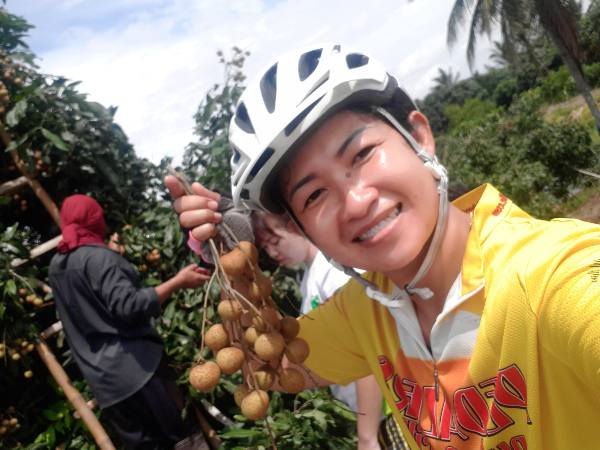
<point>81,222</point>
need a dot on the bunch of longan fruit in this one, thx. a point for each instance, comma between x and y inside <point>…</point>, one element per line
<point>8,422</point>
<point>252,334</point>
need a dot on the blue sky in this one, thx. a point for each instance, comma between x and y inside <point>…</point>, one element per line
<point>155,59</point>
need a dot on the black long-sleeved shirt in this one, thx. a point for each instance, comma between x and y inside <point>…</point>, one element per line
<point>107,319</point>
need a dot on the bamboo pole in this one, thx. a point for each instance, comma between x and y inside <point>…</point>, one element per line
<point>213,439</point>
<point>37,251</point>
<point>35,185</point>
<point>74,397</point>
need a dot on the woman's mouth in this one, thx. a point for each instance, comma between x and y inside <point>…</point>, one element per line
<point>372,232</point>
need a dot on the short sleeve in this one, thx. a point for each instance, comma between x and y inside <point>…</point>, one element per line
<point>569,313</point>
<point>335,353</point>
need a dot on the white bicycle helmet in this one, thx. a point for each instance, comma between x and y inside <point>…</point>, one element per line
<point>295,95</point>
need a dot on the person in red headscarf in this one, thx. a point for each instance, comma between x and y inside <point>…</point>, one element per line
<point>108,322</point>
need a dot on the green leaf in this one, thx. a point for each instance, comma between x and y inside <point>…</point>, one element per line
<point>58,142</point>
<point>11,287</point>
<point>14,116</point>
<point>240,433</point>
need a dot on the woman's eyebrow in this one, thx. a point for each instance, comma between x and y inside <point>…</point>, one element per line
<point>356,133</point>
<point>301,183</point>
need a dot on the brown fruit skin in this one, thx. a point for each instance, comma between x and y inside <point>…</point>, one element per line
<point>239,393</point>
<point>249,250</point>
<point>250,335</point>
<point>230,359</point>
<point>205,376</point>
<point>269,346</point>
<point>229,309</point>
<point>291,380</point>
<point>216,337</point>
<point>271,316</point>
<point>265,285</point>
<point>234,263</point>
<point>289,327</point>
<point>297,350</point>
<point>264,377</point>
<point>254,293</point>
<point>260,324</point>
<point>255,405</point>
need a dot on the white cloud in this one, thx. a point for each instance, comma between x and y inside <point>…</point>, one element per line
<point>155,59</point>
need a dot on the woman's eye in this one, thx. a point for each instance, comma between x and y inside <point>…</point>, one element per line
<point>362,154</point>
<point>312,197</point>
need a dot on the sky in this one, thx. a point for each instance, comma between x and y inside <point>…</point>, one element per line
<point>156,59</point>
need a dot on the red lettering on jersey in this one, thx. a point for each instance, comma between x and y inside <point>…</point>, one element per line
<point>503,446</point>
<point>471,410</point>
<point>501,204</point>
<point>518,443</point>
<point>511,389</point>
<point>401,395</point>
<point>415,393</point>
<point>500,419</point>
<point>386,367</point>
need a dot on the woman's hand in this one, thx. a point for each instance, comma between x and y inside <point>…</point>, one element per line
<point>197,211</point>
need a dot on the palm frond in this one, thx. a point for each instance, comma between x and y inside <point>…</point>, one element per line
<point>457,17</point>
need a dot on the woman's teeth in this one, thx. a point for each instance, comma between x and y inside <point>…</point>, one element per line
<point>380,226</point>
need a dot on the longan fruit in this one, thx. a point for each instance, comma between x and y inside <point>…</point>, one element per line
<point>265,285</point>
<point>28,374</point>
<point>291,380</point>
<point>253,292</point>
<point>216,337</point>
<point>230,359</point>
<point>205,376</point>
<point>255,405</point>
<point>234,263</point>
<point>297,350</point>
<point>250,251</point>
<point>260,324</point>
<point>264,377</point>
<point>229,309</point>
<point>250,335</point>
<point>289,327</point>
<point>269,346</point>
<point>239,393</point>
<point>270,315</point>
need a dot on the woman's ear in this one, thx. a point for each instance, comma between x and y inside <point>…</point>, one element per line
<point>421,131</point>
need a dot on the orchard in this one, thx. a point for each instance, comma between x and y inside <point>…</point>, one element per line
<point>56,143</point>
<point>225,341</point>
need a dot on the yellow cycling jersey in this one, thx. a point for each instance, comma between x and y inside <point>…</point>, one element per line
<point>514,357</point>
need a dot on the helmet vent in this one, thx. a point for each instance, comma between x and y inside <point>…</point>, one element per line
<point>300,117</point>
<point>242,120</point>
<point>354,60</point>
<point>260,162</point>
<point>308,62</point>
<point>236,155</point>
<point>268,88</point>
<point>245,194</point>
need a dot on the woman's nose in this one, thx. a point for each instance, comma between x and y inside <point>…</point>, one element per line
<point>359,200</point>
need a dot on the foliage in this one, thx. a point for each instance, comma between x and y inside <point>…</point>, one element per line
<point>557,85</point>
<point>473,110</point>
<point>209,155</point>
<point>522,155</point>
<point>312,420</point>
<point>589,33</point>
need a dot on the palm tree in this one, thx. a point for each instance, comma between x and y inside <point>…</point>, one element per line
<point>556,17</point>
<point>446,80</point>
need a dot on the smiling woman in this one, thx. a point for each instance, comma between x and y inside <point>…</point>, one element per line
<point>465,308</point>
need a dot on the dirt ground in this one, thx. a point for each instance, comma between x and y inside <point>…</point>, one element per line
<point>590,210</point>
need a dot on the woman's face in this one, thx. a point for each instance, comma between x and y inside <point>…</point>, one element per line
<point>362,194</point>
